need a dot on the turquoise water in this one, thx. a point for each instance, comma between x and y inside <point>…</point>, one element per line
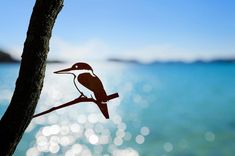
<point>163,110</point>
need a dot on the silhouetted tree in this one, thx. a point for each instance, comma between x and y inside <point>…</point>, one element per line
<point>31,75</point>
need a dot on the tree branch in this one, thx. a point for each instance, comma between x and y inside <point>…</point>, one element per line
<point>30,80</point>
<point>75,101</point>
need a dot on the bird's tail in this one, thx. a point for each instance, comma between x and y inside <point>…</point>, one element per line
<point>104,109</point>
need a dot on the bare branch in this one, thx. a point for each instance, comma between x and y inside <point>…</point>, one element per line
<point>75,101</point>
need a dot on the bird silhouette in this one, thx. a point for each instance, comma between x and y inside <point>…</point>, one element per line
<point>88,84</point>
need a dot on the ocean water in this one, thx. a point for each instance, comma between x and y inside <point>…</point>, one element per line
<point>163,110</point>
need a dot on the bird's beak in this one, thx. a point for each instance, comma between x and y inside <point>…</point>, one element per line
<point>63,71</point>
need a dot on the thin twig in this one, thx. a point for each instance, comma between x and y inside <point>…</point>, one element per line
<point>75,101</point>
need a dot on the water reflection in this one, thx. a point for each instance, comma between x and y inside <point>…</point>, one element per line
<point>163,109</point>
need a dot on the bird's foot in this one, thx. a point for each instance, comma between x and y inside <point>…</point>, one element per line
<point>82,95</point>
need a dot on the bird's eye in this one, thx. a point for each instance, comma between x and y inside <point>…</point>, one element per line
<point>76,66</point>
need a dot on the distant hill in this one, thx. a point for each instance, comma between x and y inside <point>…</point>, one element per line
<point>132,61</point>
<point>6,58</point>
<point>216,60</point>
<point>213,61</point>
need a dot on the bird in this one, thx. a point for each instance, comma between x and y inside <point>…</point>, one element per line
<point>88,84</point>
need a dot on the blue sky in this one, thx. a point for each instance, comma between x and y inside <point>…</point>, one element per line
<point>139,29</point>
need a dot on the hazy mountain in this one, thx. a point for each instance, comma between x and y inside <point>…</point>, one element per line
<point>216,60</point>
<point>6,58</point>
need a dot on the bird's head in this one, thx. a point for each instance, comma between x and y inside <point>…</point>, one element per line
<point>76,69</point>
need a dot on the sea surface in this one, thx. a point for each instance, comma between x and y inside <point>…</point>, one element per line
<point>163,110</point>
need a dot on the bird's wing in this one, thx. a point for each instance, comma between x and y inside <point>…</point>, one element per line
<point>104,110</point>
<point>94,84</point>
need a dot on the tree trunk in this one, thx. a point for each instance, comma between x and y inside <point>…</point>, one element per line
<point>30,80</point>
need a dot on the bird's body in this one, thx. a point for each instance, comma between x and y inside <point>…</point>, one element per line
<point>89,85</point>
<point>93,83</point>
<point>80,87</point>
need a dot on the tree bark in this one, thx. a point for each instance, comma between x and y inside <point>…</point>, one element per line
<point>30,80</point>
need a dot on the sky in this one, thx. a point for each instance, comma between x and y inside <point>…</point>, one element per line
<point>146,30</point>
